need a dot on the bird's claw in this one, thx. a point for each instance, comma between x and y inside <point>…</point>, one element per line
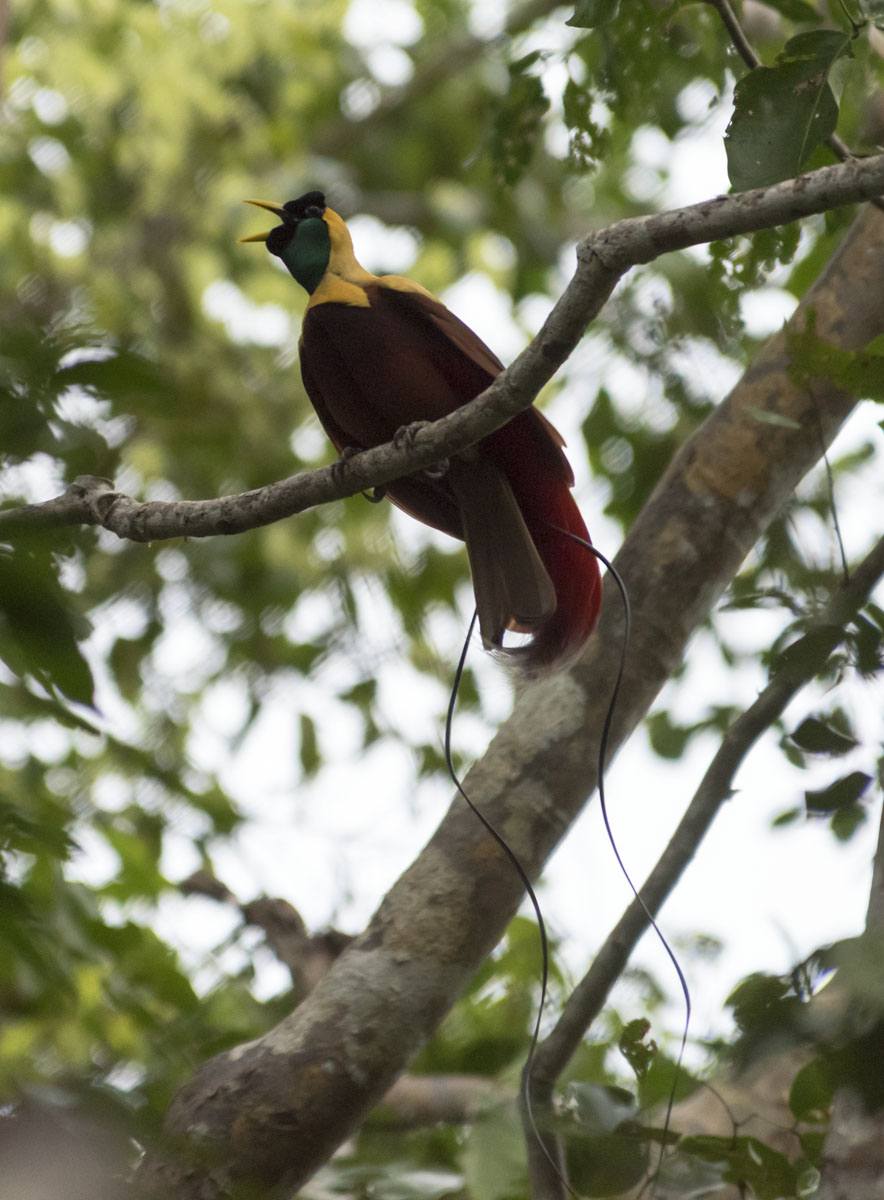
<point>344,456</point>
<point>406,437</point>
<point>374,495</point>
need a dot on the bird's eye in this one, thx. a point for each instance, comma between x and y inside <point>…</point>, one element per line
<point>313,211</point>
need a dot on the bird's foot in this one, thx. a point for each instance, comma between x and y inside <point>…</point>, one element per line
<point>406,437</point>
<point>374,495</point>
<point>344,456</point>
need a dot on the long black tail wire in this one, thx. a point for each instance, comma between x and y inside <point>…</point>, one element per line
<point>526,882</point>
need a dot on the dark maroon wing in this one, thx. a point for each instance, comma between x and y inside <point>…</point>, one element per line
<point>337,435</point>
<point>371,370</point>
<point>530,433</point>
<point>454,330</point>
<point>425,499</point>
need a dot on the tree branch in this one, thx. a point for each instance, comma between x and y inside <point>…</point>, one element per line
<point>273,1110</point>
<point>587,999</point>
<point>602,259</point>
<point>413,1100</point>
<point>740,42</point>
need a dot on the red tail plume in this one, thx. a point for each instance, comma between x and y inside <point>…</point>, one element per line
<point>541,481</point>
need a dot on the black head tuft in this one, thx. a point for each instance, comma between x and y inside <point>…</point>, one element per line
<point>311,204</point>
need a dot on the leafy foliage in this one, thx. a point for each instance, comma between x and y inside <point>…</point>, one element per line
<point>782,113</point>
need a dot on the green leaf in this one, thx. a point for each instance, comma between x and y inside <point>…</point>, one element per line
<point>782,113</point>
<point>138,848</point>
<point>632,1045</point>
<point>519,121</point>
<point>817,737</point>
<point>667,739</point>
<point>607,1164</point>
<point>493,1159</point>
<point>120,376</point>
<point>860,372</point>
<point>811,1092</point>
<point>750,1163</point>
<point>38,629</point>
<point>847,820</point>
<point>309,746</point>
<point>840,794</point>
<point>757,1001</point>
<point>590,13</point>
<point>788,817</point>
<point>807,655</point>
<point>795,10</point>
<point>868,640</point>
<point>664,1078</point>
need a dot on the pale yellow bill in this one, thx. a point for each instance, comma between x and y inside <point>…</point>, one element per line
<point>277,209</point>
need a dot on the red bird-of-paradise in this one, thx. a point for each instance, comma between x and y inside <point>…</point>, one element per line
<point>379,353</point>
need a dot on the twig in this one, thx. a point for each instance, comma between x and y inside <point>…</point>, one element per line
<point>731,22</point>
<point>602,259</point>
<point>307,956</point>
<point>586,1001</point>
<point>418,1101</point>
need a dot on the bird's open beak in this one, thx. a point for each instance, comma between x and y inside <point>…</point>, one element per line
<point>271,207</point>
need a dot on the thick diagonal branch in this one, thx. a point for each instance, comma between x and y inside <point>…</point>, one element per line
<point>603,258</point>
<point>272,1111</point>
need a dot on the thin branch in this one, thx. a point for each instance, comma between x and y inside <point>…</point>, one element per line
<point>716,787</point>
<point>602,259</point>
<point>741,43</point>
<point>418,1101</point>
<point>307,956</point>
<point>544,1152</point>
